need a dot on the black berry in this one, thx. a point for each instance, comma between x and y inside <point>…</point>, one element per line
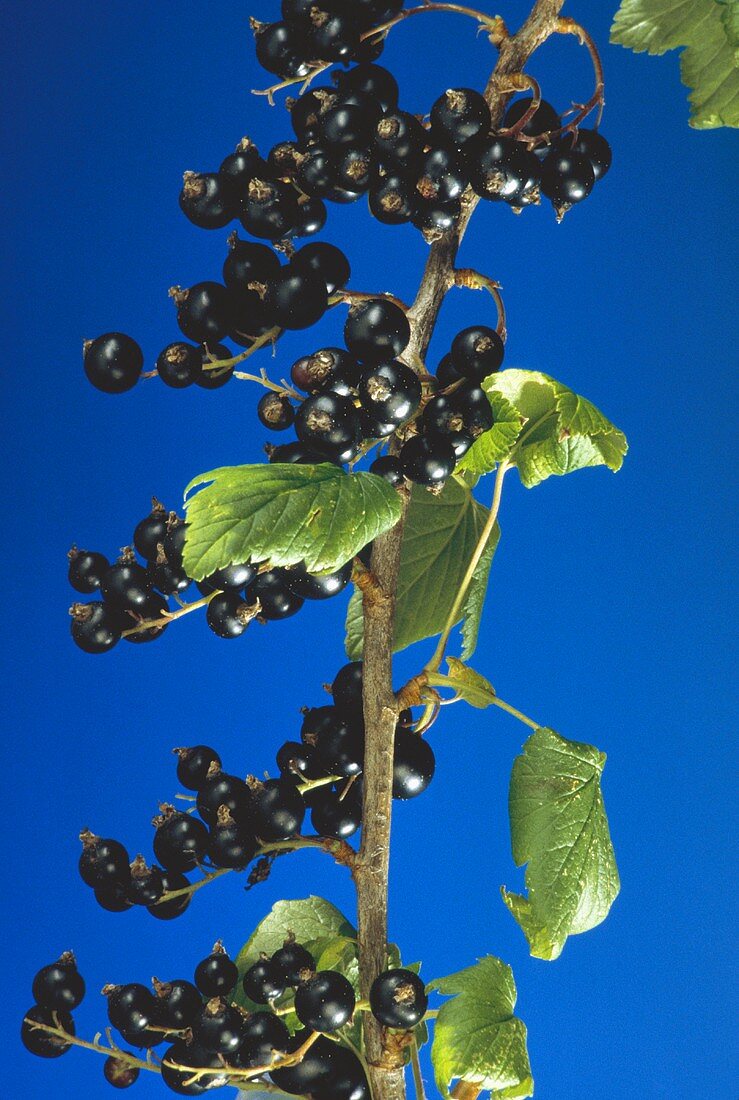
<point>180,840</point>
<point>377,331</point>
<point>293,958</point>
<point>390,392</point>
<point>427,461</point>
<point>179,364</point>
<point>103,862</point>
<point>398,998</point>
<point>208,199</point>
<point>279,809</point>
<point>113,362</point>
<point>119,1074</point>
<point>264,981</point>
<point>276,600</point>
<point>42,1043</point>
<point>59,986</point>
<point>326,260</point>
<point>477,352</point>
<point>413,764</point>
<point>325,1002</point>
<point>193,765</point>
<point>86,569</point>
<point>318,586</point>
<point>217,974</point>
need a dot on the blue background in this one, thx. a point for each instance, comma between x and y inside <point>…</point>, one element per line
<point>609,610</point>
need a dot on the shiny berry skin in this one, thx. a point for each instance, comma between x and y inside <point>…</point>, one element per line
<point>335,35</point>
<point>325,1002</point>
<point>487,163</point>
<point>193,765</point>
<point>297,297</point>
<point>131,1007</point>
<point>146,886</point>
<point>230,844</point>
<point>222,789</point>
<point>283,159</point>
<point>306,111</point>
<point>348,1080</point>
<point>544,119</point>
<point>210,377</point>
<point>433,217</point>
<point>594,147</point>
<point>346,125</point>
<point>391,199</point>
<point>413,764</point>
<point>242,166</point>
<point>113,362</point>
<point>126,585</point>
<point>42,1043</point>
<point>227,614</point>
<point>313,1070</point>
<point>334,816</point>
<point>338,739</point>
<point>150,532</point>
<point>328,422</point>
<point>346,689</point>
<point>86,570</point>
<point>249,262</point>
<point>326,260</point>
<point>390,468</point>
<point>112,898</point>
<point>475,409</point>
<point>442,176</point>
<point>190,1056</point>
<point>427,461</point>
<point>95,627</point>
<point>299,760</point>
<point>522,185</point>
<point>270,209</point>
<point>312,216</point>
<point>398,998</point>
<point>477,352</point>
<point>204,312</point>
<point>275,598</point>
<point>264,1034</point>
<point>390,392</point>
<point>264,981</point>
<point>179,1003</point>
<point>292,958</point>
<point>103,861</point>
<point>282,49</point>
<point>399,138</point>
<point>178,365</point>
<point>217,974</point>
<point>297,453</point>
<point>173,907</point>
<point>377,331</point>
<point>318,586</point>
<point>459,115</point>
<point>59,986</point>
<point>446,374</point>
<point>279,809</point>
<point>180,840</point>
<point>371,79</point>
<point>119,1074</point>
<point>208,200</point>
<point>320,371</point>
<point>566,177</point>
<point>218,1027</point>
<point>237,575</point>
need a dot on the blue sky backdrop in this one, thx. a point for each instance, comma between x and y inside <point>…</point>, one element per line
<point>609,615</point>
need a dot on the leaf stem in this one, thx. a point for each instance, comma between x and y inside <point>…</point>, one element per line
<point>416,1068</point>
<point>473,280</point>
<point>168,616</point>
<point>433,664</point>
<point>516,713</point>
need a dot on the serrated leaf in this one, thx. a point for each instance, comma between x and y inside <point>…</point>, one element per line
<point>474,601</point>
<point>465,682</point>
<point>493,446</point>
<point>439,537</point>
<point>284,514</point>
<point>709,31</point>
<point>560,830</point>
<point>561,432</point>
<point>477,1038</point>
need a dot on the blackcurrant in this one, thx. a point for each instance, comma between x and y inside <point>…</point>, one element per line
<point>459,115</point>
<point>126,585</point>
<point>306,112</point>
<point>177,1066</point>
<point>293,959</point>
<point>171,908</point>
<point>348,1080</point>
<point>59,985</point>
<point>433,217</point>
<point>270,209</point>
<point>487,162</point>
<point>446,374</point>
<point>324,369</point>
<point>399,138</point>
<point>131,1007</point>
<point>242,166</point>
<point>208,199</point>
<point>248,262</point>
<point>377,331</point>
<point>335,34</point>
<point>217,974</point>
<point>312,216</point>
<point>86,569</point>
<point>544,119</point>
<point>413,764</point>
<point>297,297</point>
<point>477,352</point>
<point>264,981</point>
<point>325,1002</point>
<point>218,1027</point>
<point>235,576</point>
<point>318,586</point>
<point>391,199</point>
<point>427,461</point>
<point>178,365</point>
<point>119,1074</point>
<point>230,843</point>
<point>204,311</point>
<point>193,765</point>
<point>522,185</point>
<point>276,600</point>
<point>336,816</point>
<point>42,1043</point>
<point>103,861</point>
<point>566,178</point>
<point>442,175</point>
<point>346,125</point>
<point>180,1001</point>
<point>398,998</point>
<point>326,260</point>
<point>328,422</point>
<point>113,362</point>
<point>390,468</point>
<point>595,148</point>
<point>151,531</point>
<point>373,79</point>
<point>221,789</point>
<point>180,840</point>
<point>228,615</point>
<point>282,49</point>
<point>296,759</point>
<point>312,1071</point>
<point>474,406</point>
<point>146,885</point>
<point>346,689</point>
<point>113,898</point>
<point>283,159</point>
<point>297,452</point>
<point>279,809</point>
<point>211,377</point>
<point>390,392</point>
<point>338,739</point>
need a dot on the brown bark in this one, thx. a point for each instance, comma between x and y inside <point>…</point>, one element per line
<point>380,705</point>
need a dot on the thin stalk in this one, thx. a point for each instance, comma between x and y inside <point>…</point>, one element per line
<point>516,713</point>
<point>416,1069</point>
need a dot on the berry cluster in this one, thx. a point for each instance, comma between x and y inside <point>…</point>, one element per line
<point>212,1040</point>
<point>312,31</point>
<point>239,819</point>
<point>259,295</point>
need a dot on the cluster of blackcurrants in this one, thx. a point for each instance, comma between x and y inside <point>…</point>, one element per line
<point>206,1029</point>
<point>361,394</point>
<point>258,294</point>
<point>314,31</point>
<point>321,773</point>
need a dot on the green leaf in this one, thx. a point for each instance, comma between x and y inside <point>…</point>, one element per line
<point>286,514</point>
<point>439,537</point>
<point>561,431</point>
<point>493,446</point>
<point>709,31</point>
<point>476,1036</point>
<point>475,599</point>
<point>464,681</point>
<point>559,828</point>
